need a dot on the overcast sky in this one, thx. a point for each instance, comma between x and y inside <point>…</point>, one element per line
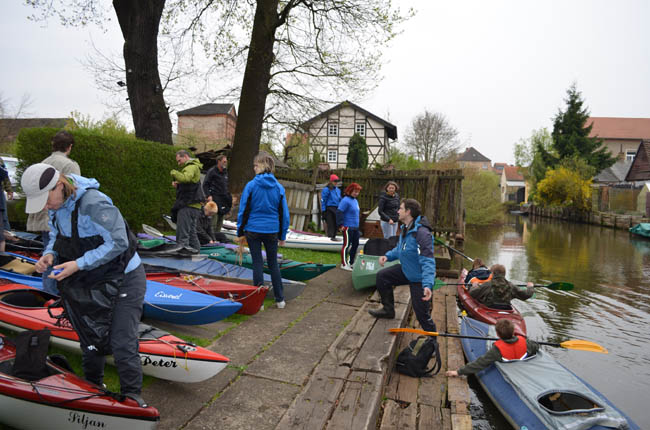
<point>496,69</point>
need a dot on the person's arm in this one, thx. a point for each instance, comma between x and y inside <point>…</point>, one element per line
<point>340,212</point>
<point>380,209</point>
<point>188,175</point>
<point>482,362</point>
<point>478,293</point>
<point>523,293</point>
<point>426,258</point>
<point>243,201</point>
<point>284,228</point>
<point>207,182</point>
<point>201,231</point>
<point>72,167</point>
<point>324,195</point>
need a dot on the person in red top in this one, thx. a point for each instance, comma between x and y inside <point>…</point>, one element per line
<point>509,347</point>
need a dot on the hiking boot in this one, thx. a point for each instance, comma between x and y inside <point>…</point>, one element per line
<point>382,313</point>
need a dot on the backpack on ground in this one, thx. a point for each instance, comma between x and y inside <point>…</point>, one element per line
<point>413,359</point>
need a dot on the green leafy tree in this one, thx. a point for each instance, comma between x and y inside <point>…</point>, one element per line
<point>401,160</point>
<point>358,152</point>
<point>482,197</point>
<point>571,136</point>
<point>529,159</point>
<point>565,187</point>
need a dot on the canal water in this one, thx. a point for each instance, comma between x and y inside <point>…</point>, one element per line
<point>610,303</point>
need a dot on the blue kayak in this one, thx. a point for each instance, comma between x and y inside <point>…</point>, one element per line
<point>539,393</point>
<point>162,302</point>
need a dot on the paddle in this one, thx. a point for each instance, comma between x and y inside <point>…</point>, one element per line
<point>557,286</point>
<point>154,232</point>
<point>578,345</point>
<point>452,249</point>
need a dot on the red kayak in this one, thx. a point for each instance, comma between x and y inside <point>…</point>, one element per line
<point>251,297</point>
<point>162,355</point>
<point>64,400</point>
<point>479,311</point>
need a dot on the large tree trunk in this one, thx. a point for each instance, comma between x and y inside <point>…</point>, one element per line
<point>139,21</point>
<point>255,89</point>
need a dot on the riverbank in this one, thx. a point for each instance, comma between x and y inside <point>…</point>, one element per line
<point>606,219</point>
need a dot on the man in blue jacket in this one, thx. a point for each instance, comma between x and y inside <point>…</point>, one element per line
<point>417,268</point>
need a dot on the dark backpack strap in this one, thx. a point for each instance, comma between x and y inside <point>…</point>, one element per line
<point>438,364</point>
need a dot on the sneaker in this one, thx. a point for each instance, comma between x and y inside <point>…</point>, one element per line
<point>281,304</point>
<point>346,267</point>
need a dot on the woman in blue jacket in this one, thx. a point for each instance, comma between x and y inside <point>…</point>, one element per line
<point>347,219</point>
<point>101,279</point>
<point>330,199</point>
<point>264,219</point>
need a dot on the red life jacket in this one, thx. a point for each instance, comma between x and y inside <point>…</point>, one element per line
<point>512,351</point>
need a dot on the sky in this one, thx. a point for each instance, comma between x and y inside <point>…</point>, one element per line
<point>497,69</point>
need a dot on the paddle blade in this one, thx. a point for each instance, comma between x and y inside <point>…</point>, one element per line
<point>583,345</point>
<point>152,231</point>
<point>561,286</point>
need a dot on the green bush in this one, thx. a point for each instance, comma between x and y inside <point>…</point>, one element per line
<point>482,198</point>
<point>133,173</point>
<point>357,153</point>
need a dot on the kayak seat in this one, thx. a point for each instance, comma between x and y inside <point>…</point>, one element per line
<point>6,367</point>
<point>18,266</point>
<point>501,307</point>
<point>23,299</point>
<point>562,402</point>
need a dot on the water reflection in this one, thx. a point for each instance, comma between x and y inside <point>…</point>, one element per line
<point>610,304</point>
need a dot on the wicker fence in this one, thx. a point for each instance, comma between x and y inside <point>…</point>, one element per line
<point>439,191</point>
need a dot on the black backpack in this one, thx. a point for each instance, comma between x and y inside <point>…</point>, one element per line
<point>413,359</point>
<point>31,353</point>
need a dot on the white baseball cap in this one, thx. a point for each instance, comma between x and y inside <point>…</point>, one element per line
<point>37,181</point>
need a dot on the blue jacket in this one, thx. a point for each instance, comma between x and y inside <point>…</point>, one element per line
<point>415,252</point>
<point>263,207</point>
<point>347,214</point>
<point>330,197</point>
<point>97,216</point>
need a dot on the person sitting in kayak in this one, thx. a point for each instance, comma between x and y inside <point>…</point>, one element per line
<point>509,347</point>
<point>498,292</point>
<point>479,273</point>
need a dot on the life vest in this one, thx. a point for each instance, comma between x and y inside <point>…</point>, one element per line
<point>512,351</point>
<point>476,280</point>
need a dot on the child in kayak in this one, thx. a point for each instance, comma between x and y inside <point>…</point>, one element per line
<point>509,347</point>
<point>479,272</point>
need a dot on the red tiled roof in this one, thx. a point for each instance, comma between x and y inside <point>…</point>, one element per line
<point>620,128</point>
<point>512,174</point>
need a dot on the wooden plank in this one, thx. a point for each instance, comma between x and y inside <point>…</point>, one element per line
<point>433,391</point>
<point>458,391</point>
<point>378,351</point>
<point>446,419</point>
<point>359,403</point>
<point>452,317</point>
<point>398,416</point>
<point>407,390</point>
<point>459,408</point>
<point>347,345</point>
<point>461,422</point>
<point>430,418</point>
<point>313,406</point>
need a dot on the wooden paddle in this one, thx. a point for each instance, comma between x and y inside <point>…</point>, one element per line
<point>578,345</point>
<point>558,286</point>
<point>471,260</point>
<point>154,232</point>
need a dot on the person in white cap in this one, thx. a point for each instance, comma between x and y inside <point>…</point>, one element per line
<point>101,279</point>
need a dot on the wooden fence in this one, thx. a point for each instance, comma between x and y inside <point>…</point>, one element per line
<point>439,192</point>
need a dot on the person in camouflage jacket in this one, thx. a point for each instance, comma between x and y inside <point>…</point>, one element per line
<point>499,291</point>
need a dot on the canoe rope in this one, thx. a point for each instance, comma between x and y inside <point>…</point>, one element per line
<point>191,279</point>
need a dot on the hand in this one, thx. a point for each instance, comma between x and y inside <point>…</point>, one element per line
<point>209,199</point>
<point>211,242</point>
<point>44,262</point>
<point>68,268</point>
<point>426,296</point>
<point>174,184</point>
<point>282,242</point>
<point>240,239</point>
<point>10,195</point>
<point>390,221</point>
<point>382,260</point>
<point>451,373</point>
<point>530,284</point>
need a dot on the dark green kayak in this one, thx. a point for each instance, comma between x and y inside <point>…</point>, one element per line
<point>289,269</point>
<point>642,229</point>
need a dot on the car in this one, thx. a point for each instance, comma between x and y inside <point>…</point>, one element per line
<point>16,206</point>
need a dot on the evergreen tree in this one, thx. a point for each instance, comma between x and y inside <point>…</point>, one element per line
<point>571,136</point>
<point>358,152</point>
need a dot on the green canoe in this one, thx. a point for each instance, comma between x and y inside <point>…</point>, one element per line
<point>364,271</point>
<point>642,229</point>
<point>289,269</point>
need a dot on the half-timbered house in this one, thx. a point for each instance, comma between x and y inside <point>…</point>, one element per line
<point>330,132</point>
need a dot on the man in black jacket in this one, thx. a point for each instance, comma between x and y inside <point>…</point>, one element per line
<point>215,187</point>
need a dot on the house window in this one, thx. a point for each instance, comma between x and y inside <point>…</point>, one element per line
<point>485,166</point>
<point>333,129</point>
<point>332,156</point>
<point>629,155</point>
<point>360,128</point>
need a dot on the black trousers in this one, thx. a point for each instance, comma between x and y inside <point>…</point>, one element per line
<point>330,219</point>
<point>392,276</point>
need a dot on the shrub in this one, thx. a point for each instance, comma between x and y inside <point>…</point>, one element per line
<point>358,153</point>
<point>133,173</point>
<point>566,188</point>
<point>482,198</point>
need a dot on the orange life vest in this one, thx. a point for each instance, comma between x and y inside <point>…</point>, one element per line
<point>476,280</point>
<point>512,351</point>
